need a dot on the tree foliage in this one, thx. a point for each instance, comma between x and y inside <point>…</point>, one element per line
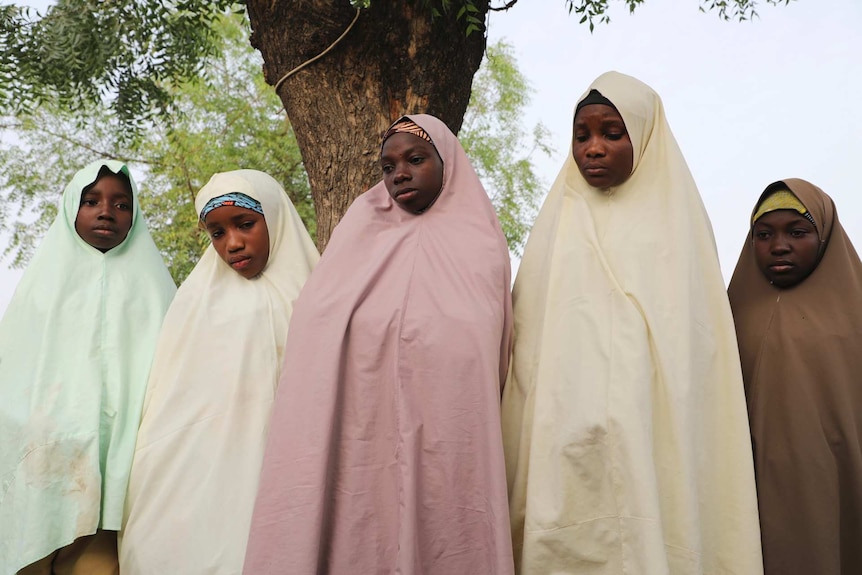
<point>592,11</point>
<point>499,145</point>
<point>226,119</point>
<point>229,118</point>
<point>83,52</point>
<point>131,54</point>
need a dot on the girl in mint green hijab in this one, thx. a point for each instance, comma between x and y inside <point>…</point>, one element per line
<point>75,349</point>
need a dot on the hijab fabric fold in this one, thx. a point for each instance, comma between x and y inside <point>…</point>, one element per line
<point>200,446</point>
<point>624,423</point>
<point>76,344</point>
<point>800,350</point>
<point>385,453</point>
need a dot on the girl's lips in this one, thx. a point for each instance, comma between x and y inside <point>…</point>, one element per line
<point>405,196</point>
<point>782,267</point>
<point>240,264</point>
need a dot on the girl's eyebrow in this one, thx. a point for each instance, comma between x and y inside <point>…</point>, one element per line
<point>795,221</point>
<point>411,150</point>
<point>242,216</point>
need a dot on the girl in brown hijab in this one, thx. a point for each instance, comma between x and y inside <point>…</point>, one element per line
<point>796,296</point>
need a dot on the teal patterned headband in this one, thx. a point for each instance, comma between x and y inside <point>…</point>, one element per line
<point>232,199</point>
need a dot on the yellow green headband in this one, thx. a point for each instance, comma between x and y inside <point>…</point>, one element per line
<point>781,200</point>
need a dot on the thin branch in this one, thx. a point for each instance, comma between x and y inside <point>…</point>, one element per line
<point>101,153</point>
<point>504,7</point>
<point>188,181</point>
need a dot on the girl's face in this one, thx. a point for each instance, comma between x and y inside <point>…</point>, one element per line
<point>240,237</point>
<point>412,171</point>
<point>786,247</point>
<point>105,213</point>
<point>601,146</point>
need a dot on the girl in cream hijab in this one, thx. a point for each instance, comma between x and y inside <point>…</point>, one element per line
<point>217,363</point>
<point>625,428</point>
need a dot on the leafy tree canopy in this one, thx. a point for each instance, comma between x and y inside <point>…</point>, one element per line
<point>500,146</point>
<point>82,52</point>
<point>226,119</point>
<point>62,56</point>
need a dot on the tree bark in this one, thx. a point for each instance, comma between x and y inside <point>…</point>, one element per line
<point>397,59</point>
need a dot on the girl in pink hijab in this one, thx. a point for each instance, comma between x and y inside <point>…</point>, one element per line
<point>385,449</point>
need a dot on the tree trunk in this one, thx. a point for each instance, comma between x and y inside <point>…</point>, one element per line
<point>395,60</point>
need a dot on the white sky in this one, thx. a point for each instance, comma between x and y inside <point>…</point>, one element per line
<point>749,103</point>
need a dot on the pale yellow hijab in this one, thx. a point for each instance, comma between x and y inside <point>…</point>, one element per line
<point>625,429</point>
<point>214,376</point>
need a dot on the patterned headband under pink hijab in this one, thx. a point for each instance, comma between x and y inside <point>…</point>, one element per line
<point>407,125</point>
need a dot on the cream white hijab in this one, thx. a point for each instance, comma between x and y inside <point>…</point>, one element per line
<point>200,446</point>
<point>625,428</point>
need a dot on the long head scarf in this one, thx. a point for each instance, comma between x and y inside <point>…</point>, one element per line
<point>624,420</point>
<point>210,394</point>
<point>801,362</point>
<point>385,453</point>
<point>75,349</point>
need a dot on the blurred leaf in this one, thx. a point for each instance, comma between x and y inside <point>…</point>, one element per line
<point>500,147</point>
<point>227,119</point>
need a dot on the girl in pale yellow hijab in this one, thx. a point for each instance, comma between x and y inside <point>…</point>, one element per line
<point>199,450</point>
<point>625,430</point>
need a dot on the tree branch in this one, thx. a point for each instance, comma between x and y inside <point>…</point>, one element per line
<point>101,153</point>
<point>504,7</point>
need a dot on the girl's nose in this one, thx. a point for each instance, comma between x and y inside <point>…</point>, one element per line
<point>779,245</point>
<point>234,242</point>
<point>106,212</point>
<point>401,174</point>
<point>595,148</point>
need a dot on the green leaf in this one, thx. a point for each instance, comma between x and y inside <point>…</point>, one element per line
<point>226,119</point>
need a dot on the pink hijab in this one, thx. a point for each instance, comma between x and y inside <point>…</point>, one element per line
<point>385,450</point>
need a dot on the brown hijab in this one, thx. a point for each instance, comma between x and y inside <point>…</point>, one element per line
<point>801,351</point>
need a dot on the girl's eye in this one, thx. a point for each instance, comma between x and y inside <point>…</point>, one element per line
<point>798,233</point>
<point>216,234</point>
<point>124,207</point>
<point>246,225</point>
<point>89,203</point>
<point>416,160</point>
<point>614,136</point>
<point>581,138</point>
<point>387,168</point>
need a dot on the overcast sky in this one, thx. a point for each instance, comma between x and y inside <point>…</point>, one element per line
<point>749,102</point>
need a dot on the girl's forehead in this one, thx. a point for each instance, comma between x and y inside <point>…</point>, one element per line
<point>400,141</point>
<point>230,212</point>
<point>598,111</point>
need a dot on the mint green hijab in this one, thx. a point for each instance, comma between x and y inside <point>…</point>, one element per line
<point>75,349</point>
